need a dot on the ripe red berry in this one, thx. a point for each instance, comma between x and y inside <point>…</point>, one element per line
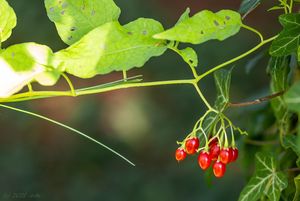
<point>219,169</point>
<point>191,145</point>
<point>234,153</point>
<point>214,151</point>
<point>213,142</point>
<point>204,160</point>
<point>180,154</point>
<point>225,156</point>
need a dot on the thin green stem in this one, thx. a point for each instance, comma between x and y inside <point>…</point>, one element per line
<point>125,75</point>
<point>69,128</point>
<point>254,31</point>
<point>29,87</point>
<point>236,58</point>
<point>202,97</point>
<point>291,6</point>
<point>73,93</point>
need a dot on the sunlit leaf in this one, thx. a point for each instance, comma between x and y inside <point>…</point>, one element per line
<point>73,18</point>
<point>292,97</point>
<point>20,64</point>
<point>266,181</point>
<point>190,56</point>
<point>112,47</point>
<point>184,16</point>
<point>204,26</point>
<point>222,81</point>
<point>288,40</point>
<point>8,20</point>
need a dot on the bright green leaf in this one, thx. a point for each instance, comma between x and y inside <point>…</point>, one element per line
<point>292,97</point>
<point>297,184</point>
<point>112,47</point>
<point>73,18</point>
<point>184,16</point>
<point>288,40</point>
<point>190,56</point>
<point>204,26</point>
<point>265,181</point>
<point>222,81</point>
<point>291,141</point>
<point>8,20</point>
<point>248,5</point>
<point>20,64</point>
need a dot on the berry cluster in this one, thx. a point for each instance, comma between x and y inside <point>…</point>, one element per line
<point>211,152</point>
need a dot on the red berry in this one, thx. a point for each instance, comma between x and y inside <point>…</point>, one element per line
<point>214,151</point>
<point>180,154</point>
<point>225,156</point>
<point>234,153</point>
<point>213,142</point>
<point>219,169</point>
<point>204,160</point>
<point>191,145</point>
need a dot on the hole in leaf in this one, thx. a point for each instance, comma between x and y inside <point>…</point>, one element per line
<point>227,17</point>
<point>93,12</point>
<point>144,32</point>
<point>59,2</point>
<point>62,12</point>
<point>64,5</point>
<point>70,37</point>
<point>51,9</point>
<point>73,29</point>
<point>216,23</point>
<point>191,61</point>
<point>12,54</point>
<point>202,32</point>
<point>129,33</point>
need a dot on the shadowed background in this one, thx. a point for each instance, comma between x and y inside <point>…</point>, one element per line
<point>47,162</point>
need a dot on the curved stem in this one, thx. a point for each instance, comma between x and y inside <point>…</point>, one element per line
<point>203,97</point>
<point>236,58</point>
<point>73,93</point>
<point>125,75</point>
<point>69,128</point>
<point>254,31</point>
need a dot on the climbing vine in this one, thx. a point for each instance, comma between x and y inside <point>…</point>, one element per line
<point>98,44</point>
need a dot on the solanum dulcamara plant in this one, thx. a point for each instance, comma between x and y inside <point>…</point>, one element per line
<point>98,45</point>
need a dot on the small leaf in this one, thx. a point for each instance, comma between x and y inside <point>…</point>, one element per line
<point>297,184</point>
<point>288,40</point>
<point>292,97</point>
<point>73,18</point>
<point>265,181</point>
<point>112,47</point>
<point>190,56</point>
<point>184,16</point>
<point>204,26</point>
<point>222,81</point>
<point>248,5</point>
<point>20,64</point>
<point>8,20</point>
<point>291,141</point>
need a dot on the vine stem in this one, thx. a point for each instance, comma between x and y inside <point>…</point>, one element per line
<point>236,58</point>
<point>255,31</point>
<point>69,128</point>
<point>73,93</point>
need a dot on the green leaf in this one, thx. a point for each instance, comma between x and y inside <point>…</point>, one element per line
<point>204,26</point>
<point>291,141</point>
<point>297,184</point>
<point>184,16</point>
<point>292,97</point>
<point>8,20</point>
<point>222,81</point>
<point>22,63</point>
<point>73,18</point>
<point>112,47</point>
<point>248,5</point>
<point>288,40</point>
<point>266,181</point>
<point>298,162</point>
<point>190,56</point>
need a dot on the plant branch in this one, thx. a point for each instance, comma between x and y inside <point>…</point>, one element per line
<point>257,101</point>
<point>254,31</point>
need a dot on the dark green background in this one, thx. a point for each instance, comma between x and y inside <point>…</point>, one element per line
<point>41,161</point>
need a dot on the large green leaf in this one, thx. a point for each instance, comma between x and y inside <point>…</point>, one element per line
<point>291,141</point>
<point>292,97</point>
<point>278,68</point>
<point>22,63</point>
<point>112,47</point>
<point>297,184</point>
<point>74,18</point>
<point>8,20</point>
<point>204,26</point>
<point>288,40</point>
<point>222,81</point>
<point>266,181</point>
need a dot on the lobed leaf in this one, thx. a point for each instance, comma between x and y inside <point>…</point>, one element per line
<point>292,97</point>
<point>8,20</point>
<point>265,181</point>
<point>73,18</point>
<point>288,40</point>
<point>22,63</point>
<point>222,81</point>
<point>291,141</point>
<point>112,47</point>
<point>204,26</point>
